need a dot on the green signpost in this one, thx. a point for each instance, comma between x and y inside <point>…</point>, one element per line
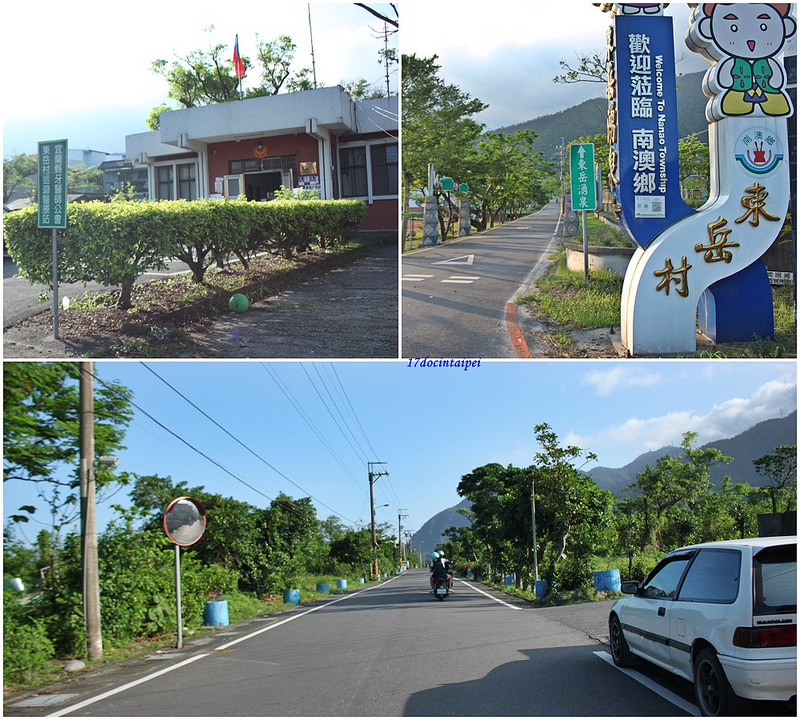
<point>582,188</point>
<point>53,202</point>
<point>581,176</point>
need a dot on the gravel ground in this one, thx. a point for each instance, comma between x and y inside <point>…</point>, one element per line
<point>351,313</point>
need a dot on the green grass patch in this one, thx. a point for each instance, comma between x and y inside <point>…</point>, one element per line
<point>599,232</point>
<point>568,300</point>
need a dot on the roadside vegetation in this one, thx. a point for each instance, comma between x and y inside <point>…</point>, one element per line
<point>581,528</point>
<point>250,553</point>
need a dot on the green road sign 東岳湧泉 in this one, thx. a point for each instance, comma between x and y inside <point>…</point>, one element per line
<point>53,184</point>
<point>581,176</point>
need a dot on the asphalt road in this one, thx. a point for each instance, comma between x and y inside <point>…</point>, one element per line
<point>455,295</point>
<point>388,650</point>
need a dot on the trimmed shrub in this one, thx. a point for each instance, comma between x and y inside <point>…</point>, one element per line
<point>114,243</point>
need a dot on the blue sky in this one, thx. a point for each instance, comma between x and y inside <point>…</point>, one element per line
<point>82,71</point>
<point>507,56</point>
<point>430,426</point>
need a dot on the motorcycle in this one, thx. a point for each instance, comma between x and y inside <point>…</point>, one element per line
<point>440,589</point>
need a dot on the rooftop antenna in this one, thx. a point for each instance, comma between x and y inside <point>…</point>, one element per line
<point>311,35</point>
<point>386,55</point>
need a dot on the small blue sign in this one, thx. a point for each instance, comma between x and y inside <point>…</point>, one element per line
<point>647,126</point>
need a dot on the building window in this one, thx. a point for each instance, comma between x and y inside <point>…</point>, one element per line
<point>353,165</point>
<point>384,169</point>
<point>187,181</point>
<point>176,180</point>
<point>164,183</point>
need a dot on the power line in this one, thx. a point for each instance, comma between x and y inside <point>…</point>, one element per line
<point>307,419</point>
<point>352,410</point>
<point>330,412</point>
<point>183,440</point>
<point>233,437</point>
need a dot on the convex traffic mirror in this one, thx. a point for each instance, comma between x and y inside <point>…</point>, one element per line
<point>185,521</point>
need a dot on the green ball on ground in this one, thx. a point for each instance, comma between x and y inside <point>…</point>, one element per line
<point>238,303</point>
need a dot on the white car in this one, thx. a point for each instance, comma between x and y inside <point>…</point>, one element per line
<point>722,615</point>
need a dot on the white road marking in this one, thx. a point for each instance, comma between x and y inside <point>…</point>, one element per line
<point>669,696</point>
<point>462,260</point>
<point>461,279</point>
<point>416,277</point>
<point>189,660</point>
<point>476,589</point>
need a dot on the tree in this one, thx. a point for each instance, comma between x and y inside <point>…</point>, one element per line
<point>693,162</point>
<point>780,470</point>
<point>354,548</point>
<point>40,426</point>
<point>575,513</point>
<point>676,484</point>
<point>500,504</point>
<point>205,77</point>
<point>591,68</point>
<point>438,126</point>
<point>380,15</point>
<point>18,173</point>
<point>276,58</point>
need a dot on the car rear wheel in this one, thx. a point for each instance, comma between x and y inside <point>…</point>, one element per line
<point>620,652</point>
<point>714,694</point>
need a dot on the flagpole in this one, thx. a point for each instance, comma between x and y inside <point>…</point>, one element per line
<point>238,65</point>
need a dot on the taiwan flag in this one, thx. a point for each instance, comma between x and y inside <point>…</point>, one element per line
<point>238,65</point>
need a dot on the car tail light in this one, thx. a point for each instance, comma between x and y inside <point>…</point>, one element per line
<point>766,637</point>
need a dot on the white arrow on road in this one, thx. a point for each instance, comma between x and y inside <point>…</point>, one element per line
<point>463,260</point>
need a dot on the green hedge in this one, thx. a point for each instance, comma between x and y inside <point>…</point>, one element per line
<point>114,243</point>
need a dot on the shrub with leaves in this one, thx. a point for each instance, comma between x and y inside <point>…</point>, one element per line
<point>114,243</point>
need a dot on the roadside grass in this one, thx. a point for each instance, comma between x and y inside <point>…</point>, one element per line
<point>564,301</point>
<point>569,302</point>
<point>601,233</point>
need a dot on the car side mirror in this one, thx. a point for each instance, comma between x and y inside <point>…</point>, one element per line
<point>630,587</point>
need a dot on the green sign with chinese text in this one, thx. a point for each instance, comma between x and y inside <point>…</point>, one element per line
<point>581,176</point>
<point>53,184</point>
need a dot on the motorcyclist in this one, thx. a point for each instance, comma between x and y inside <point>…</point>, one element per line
<point>440,569</point>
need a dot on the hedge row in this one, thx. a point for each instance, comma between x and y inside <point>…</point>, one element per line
<point>114,243</point>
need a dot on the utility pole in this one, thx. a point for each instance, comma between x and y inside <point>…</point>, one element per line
<point>373,476</point>
<point>91,580</point>
<point>400,517</point>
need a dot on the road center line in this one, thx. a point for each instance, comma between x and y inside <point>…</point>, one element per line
<point>189,660</point>
<point>668,695</point>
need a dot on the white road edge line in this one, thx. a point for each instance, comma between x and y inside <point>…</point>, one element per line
<point>476,589</point>
<point>164,671</point>
<point>537,270</point>
<point>668,695</point>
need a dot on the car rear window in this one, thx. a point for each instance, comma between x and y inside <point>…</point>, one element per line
<point>713,577</point>
<point>775,580</point>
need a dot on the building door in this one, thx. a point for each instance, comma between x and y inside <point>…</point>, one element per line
<point>262,185</point>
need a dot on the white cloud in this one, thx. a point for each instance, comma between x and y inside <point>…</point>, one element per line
<point>606,380</point>
<point>637,435</point>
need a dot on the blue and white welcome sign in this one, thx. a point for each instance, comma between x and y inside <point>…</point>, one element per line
<point>707,260</point>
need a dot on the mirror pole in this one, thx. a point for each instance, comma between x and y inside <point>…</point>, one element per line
<point>178,594</point>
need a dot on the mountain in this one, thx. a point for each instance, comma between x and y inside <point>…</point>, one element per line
<point>754,443</point>
<point>432,532</point>
<point>759,440</point>
<point>589,118</point>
